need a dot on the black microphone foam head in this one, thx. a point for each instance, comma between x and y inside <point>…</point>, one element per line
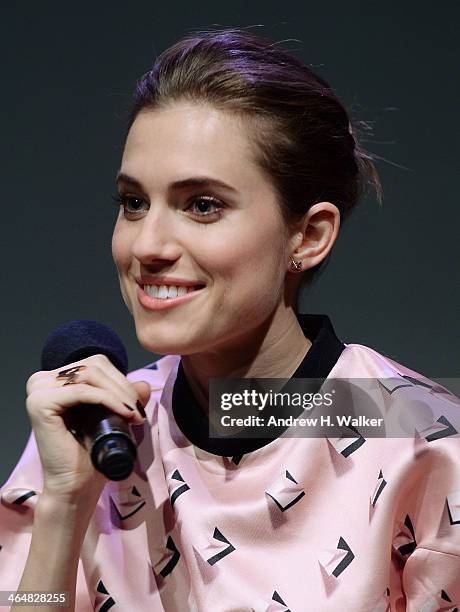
<point>79,339</point>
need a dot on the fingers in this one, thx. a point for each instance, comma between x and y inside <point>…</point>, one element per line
<point>144,391</point>
<point>41,404</point>
<point>97,377</point>
<point>96,370</point>
<point>104,385</point>
<point>93,381</point>
<point>118,378</point>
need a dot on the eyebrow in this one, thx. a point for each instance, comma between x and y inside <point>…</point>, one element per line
<point>195,181</point>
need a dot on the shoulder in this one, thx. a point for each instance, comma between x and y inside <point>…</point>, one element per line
<point>372,356</point>
<point>414,400</point>
<point>365,359</point>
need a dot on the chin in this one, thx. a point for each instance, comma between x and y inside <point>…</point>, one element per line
<point>154,342</point>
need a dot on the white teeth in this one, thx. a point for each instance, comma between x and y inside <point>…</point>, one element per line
<point>165,292</point>
<point>151,290</point>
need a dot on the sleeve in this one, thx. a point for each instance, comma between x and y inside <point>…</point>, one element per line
<point>426,536</point>
<point>431,581</point>
<point>430,536</point>
<point>18,498</point>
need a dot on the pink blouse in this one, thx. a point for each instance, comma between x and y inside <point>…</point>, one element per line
<point>300,524</point>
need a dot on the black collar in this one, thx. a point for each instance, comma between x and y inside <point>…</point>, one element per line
<point>324,352</point>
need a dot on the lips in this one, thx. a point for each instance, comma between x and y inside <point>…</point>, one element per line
<point>150,302</point>
<point>145,279</point>
<point>166,291</point>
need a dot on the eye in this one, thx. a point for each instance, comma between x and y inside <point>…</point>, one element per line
<point>126,201</point>
<point>204,201</point>
<point>132,205</point>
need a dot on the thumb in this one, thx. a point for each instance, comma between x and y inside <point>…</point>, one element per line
<point>143,390</point>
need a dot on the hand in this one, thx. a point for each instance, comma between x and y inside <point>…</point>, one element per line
<point>69,474</point>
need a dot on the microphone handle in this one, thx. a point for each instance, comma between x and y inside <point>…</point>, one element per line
<point>106,436</point>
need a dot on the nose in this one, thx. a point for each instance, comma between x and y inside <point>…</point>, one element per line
<point>155,238</point>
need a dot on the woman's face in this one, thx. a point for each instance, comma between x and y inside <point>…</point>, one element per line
<point>230,239</point>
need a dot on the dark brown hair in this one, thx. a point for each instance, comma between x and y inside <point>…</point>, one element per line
<point>304,139</point>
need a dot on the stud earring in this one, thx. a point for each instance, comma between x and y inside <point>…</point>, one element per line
<point>295,265</point>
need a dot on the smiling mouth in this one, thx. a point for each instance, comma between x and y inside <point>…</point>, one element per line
<point>168,292</point>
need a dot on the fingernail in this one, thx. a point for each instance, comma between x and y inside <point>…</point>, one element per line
<point>140,407</point>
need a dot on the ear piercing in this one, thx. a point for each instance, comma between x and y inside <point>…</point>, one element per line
<point>295,265</point>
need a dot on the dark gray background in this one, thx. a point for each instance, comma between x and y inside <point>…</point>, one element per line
<point>68,72</point>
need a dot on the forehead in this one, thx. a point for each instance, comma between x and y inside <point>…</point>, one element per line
<point>189,139</point>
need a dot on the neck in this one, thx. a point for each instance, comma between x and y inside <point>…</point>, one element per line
<point>273,349</point>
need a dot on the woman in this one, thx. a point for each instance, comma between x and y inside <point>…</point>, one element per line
<point>239,166</point>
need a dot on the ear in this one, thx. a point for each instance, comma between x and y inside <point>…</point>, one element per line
<point>314,236</point>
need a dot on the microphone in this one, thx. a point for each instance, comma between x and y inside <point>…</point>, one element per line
<point>105,434</point>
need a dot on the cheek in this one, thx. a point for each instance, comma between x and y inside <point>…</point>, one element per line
<point>121,260</point>
<point>227,256</point>
<point>247,257</point>
<point>119,249</point>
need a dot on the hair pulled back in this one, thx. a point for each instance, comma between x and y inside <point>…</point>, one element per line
<point>303,138</point>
